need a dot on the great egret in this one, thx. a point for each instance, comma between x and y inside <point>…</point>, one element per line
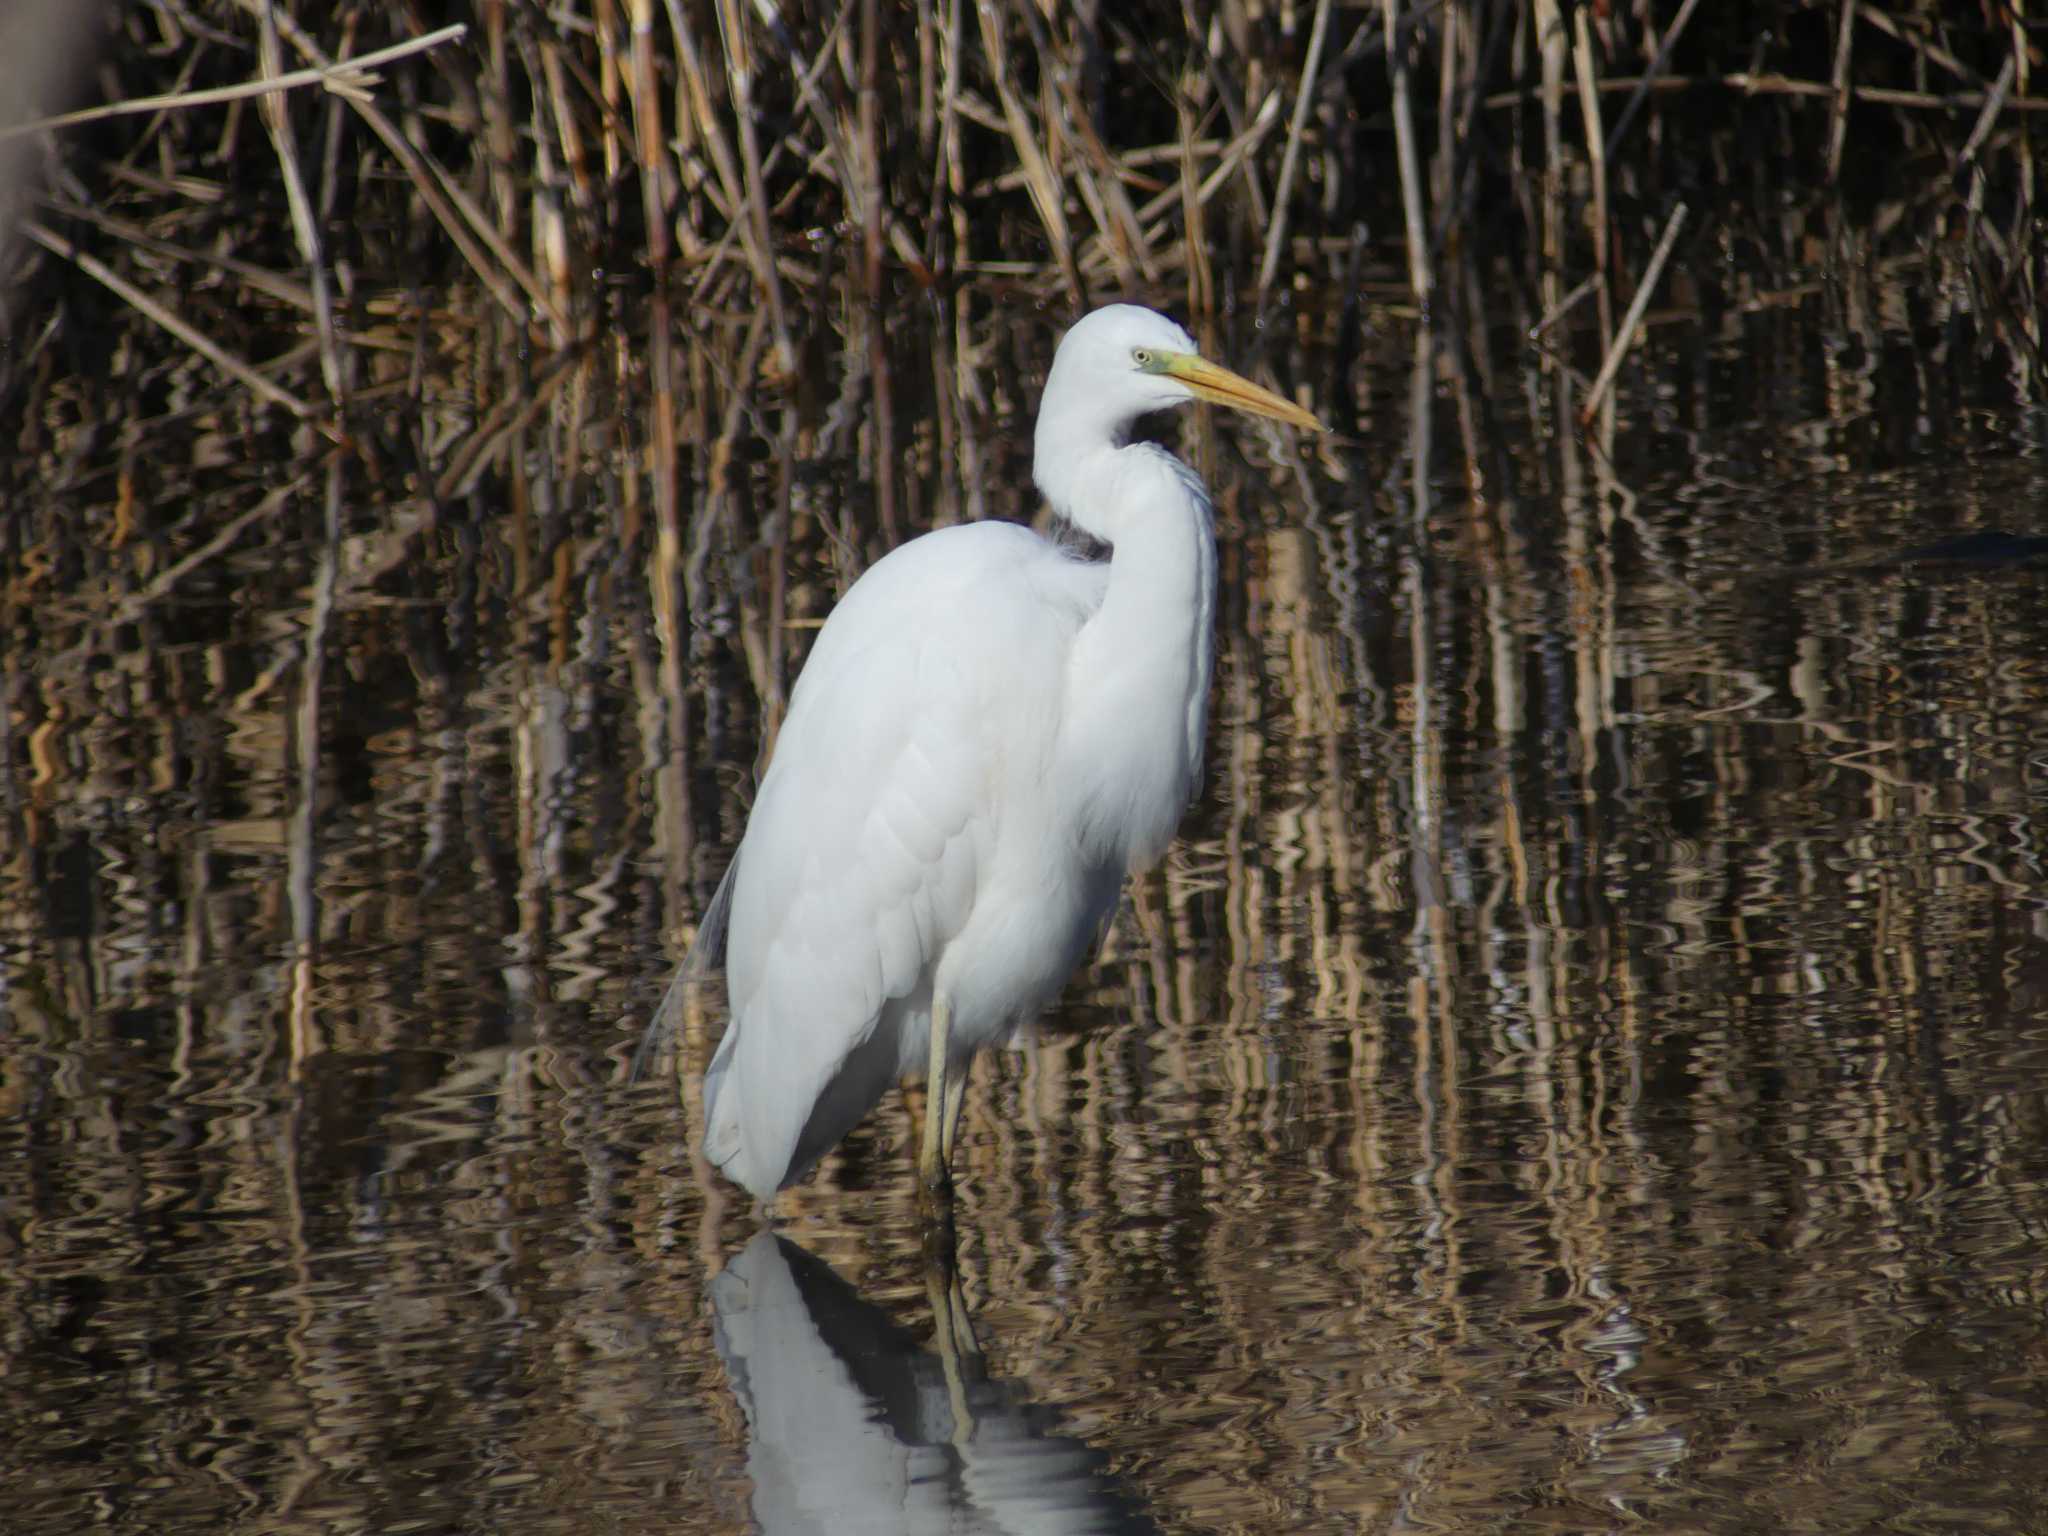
<point>989,734</point>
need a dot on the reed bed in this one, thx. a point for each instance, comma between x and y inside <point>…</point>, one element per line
<point>662,321</point>
<point>348,350</point>
<point>284,192</point>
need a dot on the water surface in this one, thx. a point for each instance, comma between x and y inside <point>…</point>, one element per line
<point>1581,1068</point>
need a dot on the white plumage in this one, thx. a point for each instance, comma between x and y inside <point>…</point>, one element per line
<point>988,735</point>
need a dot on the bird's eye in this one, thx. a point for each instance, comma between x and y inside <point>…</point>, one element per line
<point>1142,356</point>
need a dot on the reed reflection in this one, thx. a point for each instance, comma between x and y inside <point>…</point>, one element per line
<point>853,1425</point>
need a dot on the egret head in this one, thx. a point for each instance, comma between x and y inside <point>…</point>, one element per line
<point>1117,364</point>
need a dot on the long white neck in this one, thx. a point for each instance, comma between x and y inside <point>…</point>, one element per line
<point>1138,676</point>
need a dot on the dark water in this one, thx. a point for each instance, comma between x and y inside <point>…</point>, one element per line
<point>1581,1069</point>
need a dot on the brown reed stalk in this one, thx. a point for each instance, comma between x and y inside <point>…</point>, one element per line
<point>162,315</point>
<point>1031,155</point>
<point>882,436</point>
<point>277,119</point>
<point>1650,76</point>
<point>1838,107</point>
<point>1624,339</point>
<point>475,236</point>
<point>1201,280</point>
<point>1596,157</point>
<point>1290,158</point>
<point>1095,174</point>
<point>739,80</point>
<point>1421,275</point>
<point>354,77</point>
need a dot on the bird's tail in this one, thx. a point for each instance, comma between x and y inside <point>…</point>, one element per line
<point>723,1143</point>
<point>707,950</point>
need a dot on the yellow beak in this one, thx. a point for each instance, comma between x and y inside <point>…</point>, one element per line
<point>1210,381</point>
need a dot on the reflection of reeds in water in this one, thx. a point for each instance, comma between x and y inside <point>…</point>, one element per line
<point>1605,874</point>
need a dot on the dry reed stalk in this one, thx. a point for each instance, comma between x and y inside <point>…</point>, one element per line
<point>1589,111</point>
<point>568,127</point>
<point>1625,337</point>
<point>1954,101</point>
<point>1201,280</point>
<point>1838,108</point>
<point>1240,149</point>
<point>698,128</point>
<point>491,439</point>
<point>1421,274</point>
<point>950,186</point>
<point>837,158</point>
<point>1290,158</point>
<point>739,80</point>
<point>664,571</point>
<point>550,229</point>
<point>1452,55</point>
<point>1649,77</point>
<point>277,119</point>
<point>1043,187</point>
<point>1550,42</point>
<point>2023,212</point>
<point>501,145</point>
<point>272,285</point>
<point>927,80</point>
<point>1768,83</point>
<point>301,861</point>
<point>1565,305</point>
<point>163,316</point>
<point>1921,45</point>
<point>1596,155</point>
<point>353,78</point>
<point>475,236</point>
<point>1979,225</point>
<point>882,435</point>
<point>1096,175</point>
<point>1994,102</point>
<point>1101,183</point>
<point>612,138</point>
<point>136,603</point>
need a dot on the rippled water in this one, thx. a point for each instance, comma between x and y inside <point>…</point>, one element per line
<point>1582,1067</point>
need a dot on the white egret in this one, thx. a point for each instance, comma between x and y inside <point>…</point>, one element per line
<point>989,734</point>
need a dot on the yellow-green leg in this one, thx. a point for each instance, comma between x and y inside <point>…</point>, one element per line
<point>941,1113</point>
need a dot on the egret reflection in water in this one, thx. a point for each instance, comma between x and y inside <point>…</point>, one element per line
<point>855,1426</point>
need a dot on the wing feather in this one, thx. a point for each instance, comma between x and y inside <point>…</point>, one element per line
<point>859,860</point>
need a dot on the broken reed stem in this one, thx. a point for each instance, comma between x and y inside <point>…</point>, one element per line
<point>1979,226</point>
<point>1994,102</point>
<point>1565,305</point>
<point>1304,98</point>
<point>1624,338</point>
<point>1650,76</point>
<point>346,77</point>
<point>144,305</point>
<point>138,603</point>
<point>1925,46</point>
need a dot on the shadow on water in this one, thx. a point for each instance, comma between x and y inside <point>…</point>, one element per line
<point>854,1425</point>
